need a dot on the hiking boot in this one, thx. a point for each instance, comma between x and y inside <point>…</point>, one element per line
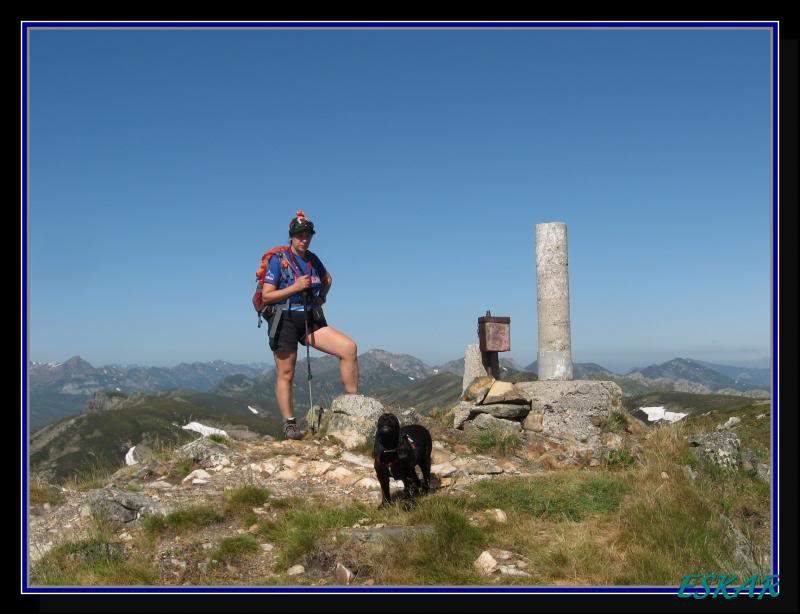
<point>290,431</point>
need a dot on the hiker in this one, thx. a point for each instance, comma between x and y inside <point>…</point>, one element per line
<point>295,285</point>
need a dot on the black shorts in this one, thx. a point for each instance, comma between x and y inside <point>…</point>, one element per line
<point>292,329</point>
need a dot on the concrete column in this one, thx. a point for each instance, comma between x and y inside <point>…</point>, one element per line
<point>552,298</point>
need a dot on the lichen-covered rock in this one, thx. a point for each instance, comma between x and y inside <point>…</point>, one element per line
<point>509,411</point>
<point>205,451</point>
<point>720,448</point>
<point>354,418</point>
<point>123,506</point>
<point>409,416</point>
<point>568,407</point>
<point>485,421</point>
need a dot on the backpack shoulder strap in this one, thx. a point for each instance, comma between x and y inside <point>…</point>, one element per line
<point>279,251</point>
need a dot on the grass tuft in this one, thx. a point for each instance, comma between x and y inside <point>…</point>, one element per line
<point>180,521</point>
<point>235,548</point>
<point>494,441</point>
<point>299,528</point>
<point>569,495</point>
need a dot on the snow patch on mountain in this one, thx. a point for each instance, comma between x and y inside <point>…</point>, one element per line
<point>204,430</point>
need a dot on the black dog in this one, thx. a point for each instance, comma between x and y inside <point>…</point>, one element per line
<point>398,450</point>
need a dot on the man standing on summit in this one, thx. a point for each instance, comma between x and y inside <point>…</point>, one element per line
<point>295,284</point>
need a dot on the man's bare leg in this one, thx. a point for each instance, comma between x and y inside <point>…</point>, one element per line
<point>331,341</point>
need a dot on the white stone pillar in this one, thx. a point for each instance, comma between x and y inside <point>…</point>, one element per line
<point>552,300</point>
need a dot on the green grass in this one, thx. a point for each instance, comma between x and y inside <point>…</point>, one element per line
<point>95,567</point>
<point>616,422</point>
<point>235,548</point>
<point>180,470</point>
<point>494,441</point>
<point>672,535</point>
<point>297,530</point>
<point>239,503</point>
<point>97,560</point>
<point>180,521</point>
<point>219,438</point>
<point>567,495</point>
<point>620,459</point>
<point>443,557</point>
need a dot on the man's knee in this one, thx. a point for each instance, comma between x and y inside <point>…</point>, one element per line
<point>285,375</point>
<point>350,350</point>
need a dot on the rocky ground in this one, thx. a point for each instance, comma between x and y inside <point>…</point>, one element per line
<point>314,469</point>
<point>306,469</point>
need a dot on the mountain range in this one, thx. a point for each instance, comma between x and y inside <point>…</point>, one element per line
<point>108,422</point>
<point>62,389</point>
<point>58,390</point>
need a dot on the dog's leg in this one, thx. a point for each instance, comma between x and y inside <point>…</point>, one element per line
<point>409,487</point>
<point>383,477</point>
<point>416,485</point>
<point>425,465</point>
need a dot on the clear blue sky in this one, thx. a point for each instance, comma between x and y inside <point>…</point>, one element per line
<point>164,163</point>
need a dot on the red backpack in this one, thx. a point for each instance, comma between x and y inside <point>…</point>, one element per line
<point>286,272</point>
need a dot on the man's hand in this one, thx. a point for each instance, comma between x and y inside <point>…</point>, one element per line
<point>302,283</point>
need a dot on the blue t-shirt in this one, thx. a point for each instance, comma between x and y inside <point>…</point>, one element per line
<point>300,267</point>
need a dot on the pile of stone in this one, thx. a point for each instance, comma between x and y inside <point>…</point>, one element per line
<point>491,404</point>
<point>565,411</point>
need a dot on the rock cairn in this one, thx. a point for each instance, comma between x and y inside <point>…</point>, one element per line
<point>491,404</point>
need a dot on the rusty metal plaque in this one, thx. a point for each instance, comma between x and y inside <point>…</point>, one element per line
<point>494,334</point>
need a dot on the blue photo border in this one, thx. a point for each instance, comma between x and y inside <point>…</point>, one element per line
<point>26,26</point>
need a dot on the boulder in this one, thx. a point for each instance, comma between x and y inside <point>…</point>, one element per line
<point>568,407</point>
<point>504,392</point>
<point>478,388</point>
<point>205,451</point>
<point>353,419</point>
<point>731,422</point>
<point>503,410</point>
<point>720,448</point>
<point>123,506</point>
<point>485,564</point>
<point>485,421</point>
<point>409,416</point>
